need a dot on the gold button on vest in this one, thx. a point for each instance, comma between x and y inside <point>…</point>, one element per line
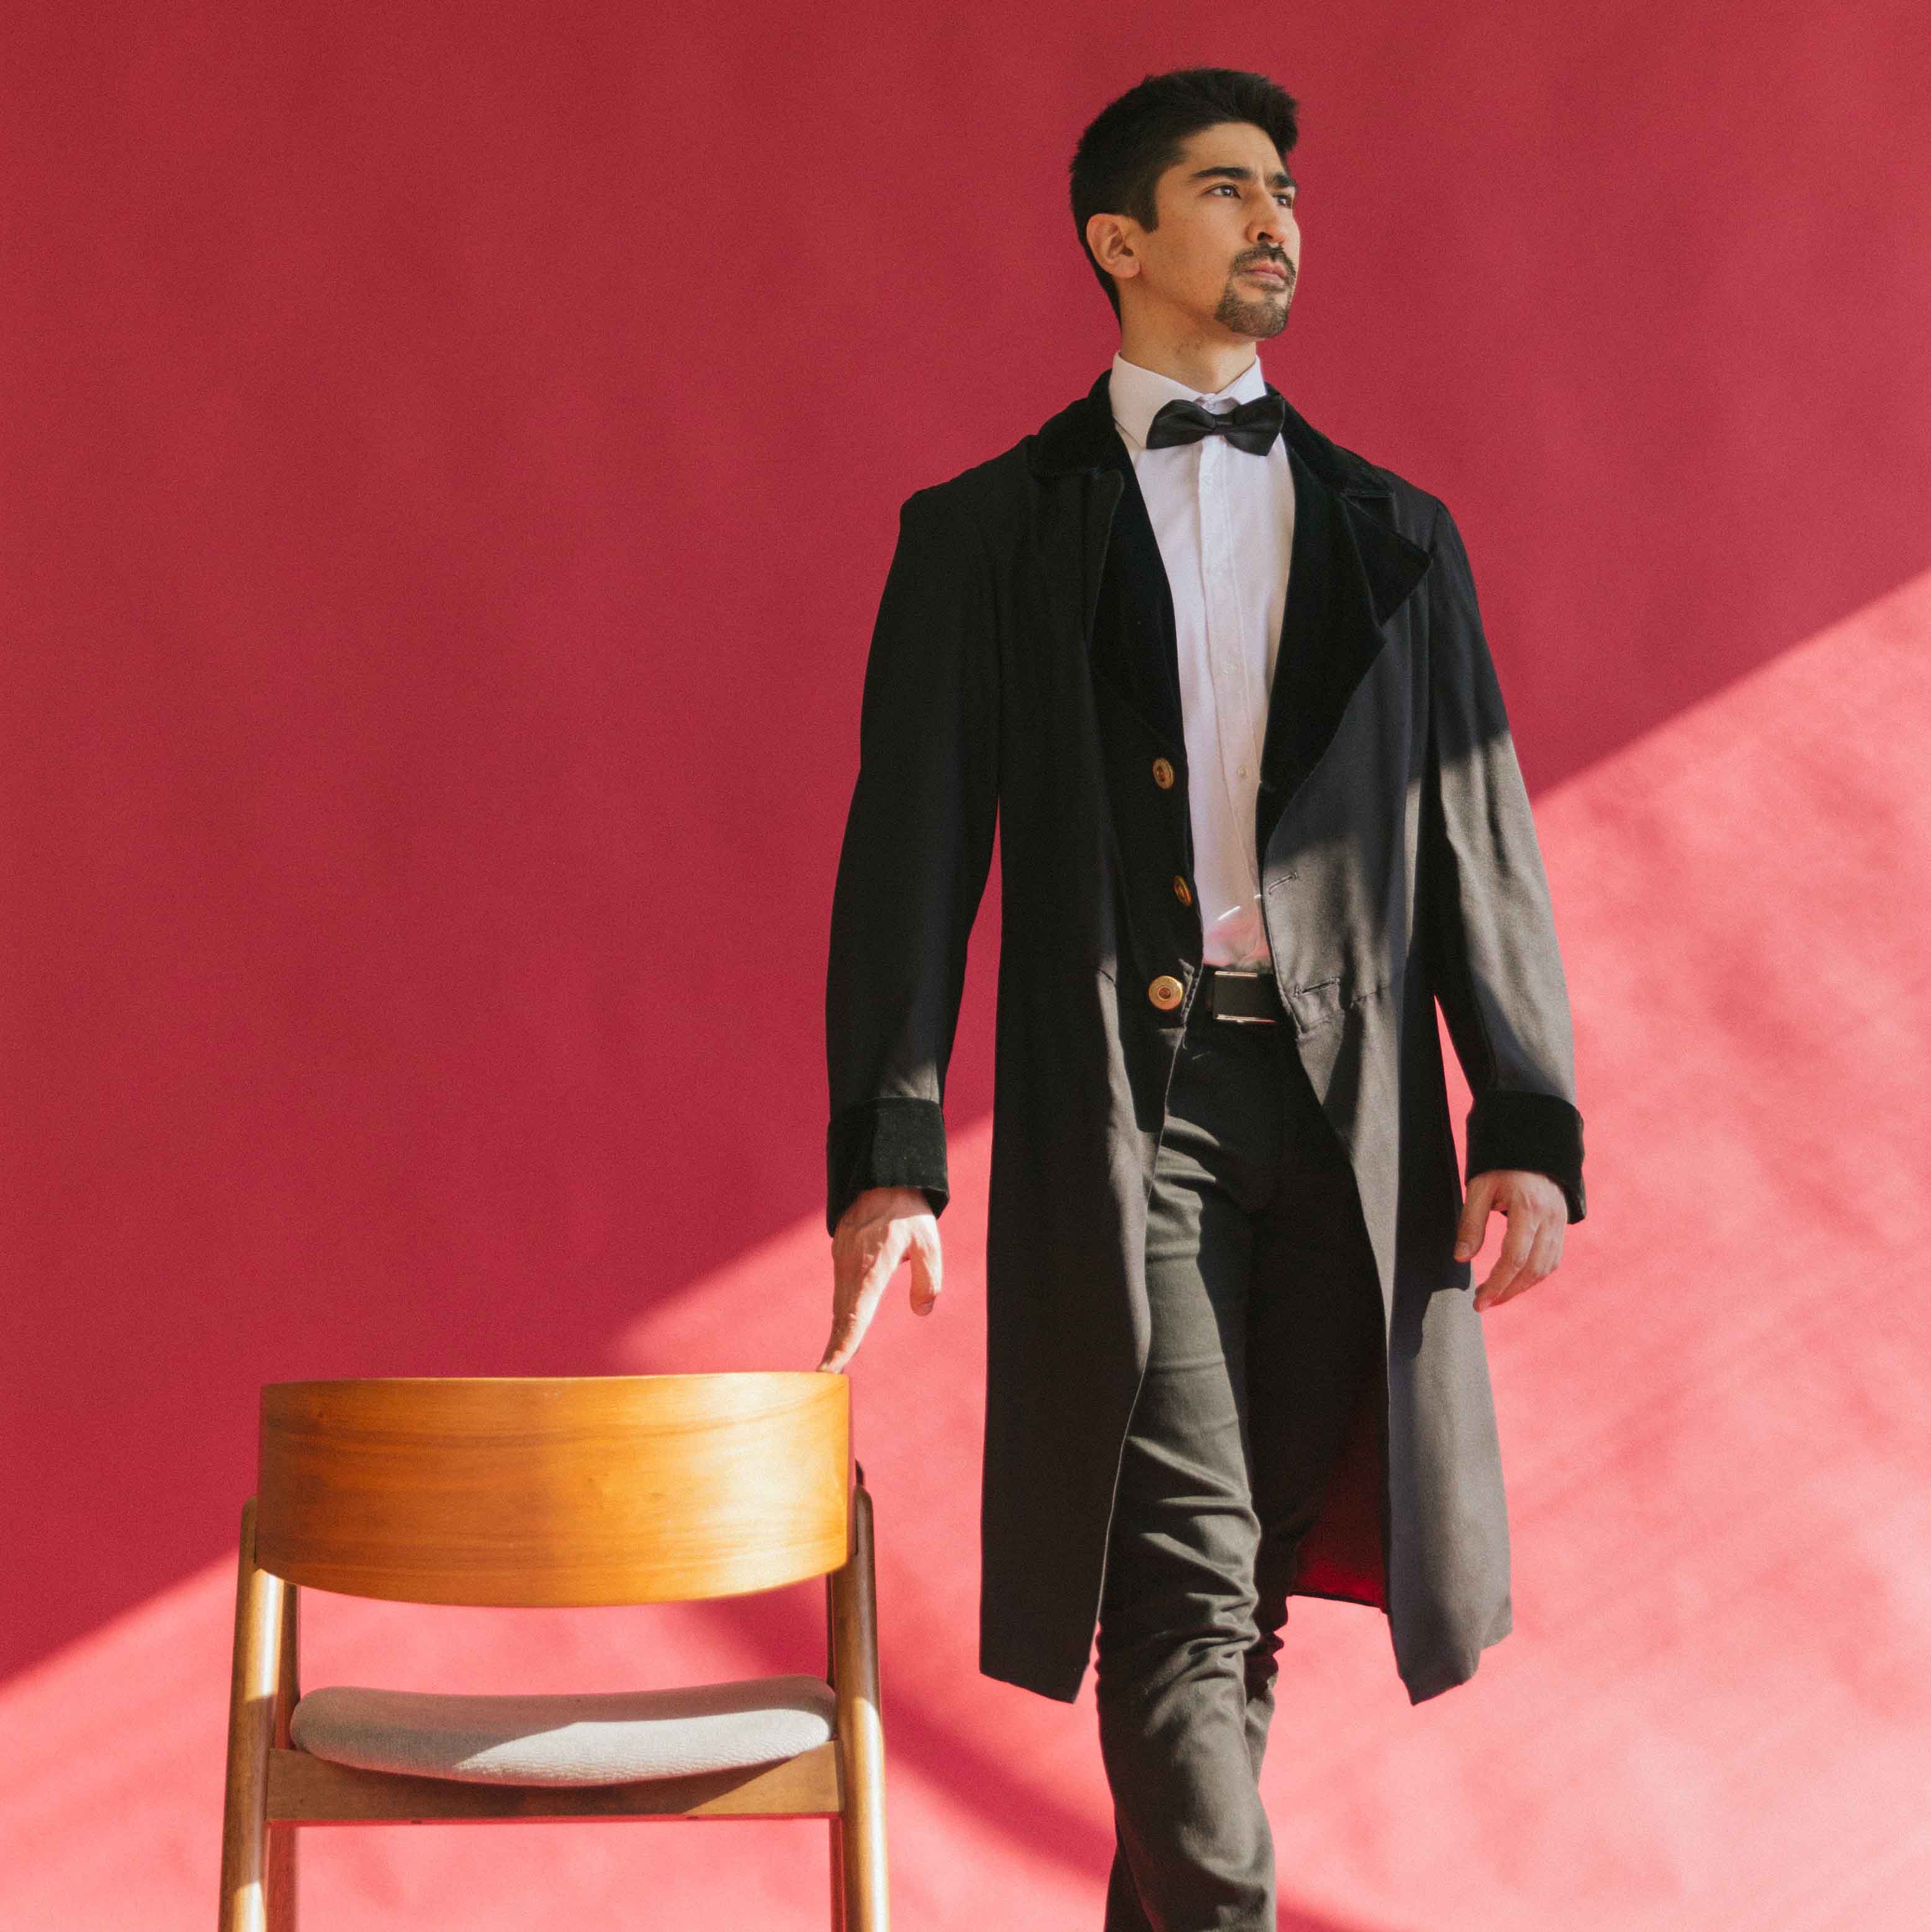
<point>1180,891</point>
<point>1163,774</point>
<point>1165,992</point>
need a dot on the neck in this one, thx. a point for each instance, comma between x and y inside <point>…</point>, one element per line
<point>1181,352</point>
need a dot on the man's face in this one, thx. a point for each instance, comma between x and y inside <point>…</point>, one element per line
<point>1227,211</point>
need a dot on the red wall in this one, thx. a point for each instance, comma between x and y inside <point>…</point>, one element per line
<point>451,456</point>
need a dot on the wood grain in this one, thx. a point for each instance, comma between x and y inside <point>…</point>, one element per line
<point>555,1490</point>
<point>862,1895</point>
<point>256,1679</point>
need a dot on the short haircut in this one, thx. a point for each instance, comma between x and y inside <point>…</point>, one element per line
<point>1133,141</point>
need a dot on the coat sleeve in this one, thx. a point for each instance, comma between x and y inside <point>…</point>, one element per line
<point>912,867</point>
<point>1495,966</point>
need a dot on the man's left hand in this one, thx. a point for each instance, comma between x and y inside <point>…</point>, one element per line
<point>1537,1215</point>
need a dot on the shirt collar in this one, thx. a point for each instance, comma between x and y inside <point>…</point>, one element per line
<point>1136,393</point>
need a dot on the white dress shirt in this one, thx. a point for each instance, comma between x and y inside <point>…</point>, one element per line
<point>1224,521</point>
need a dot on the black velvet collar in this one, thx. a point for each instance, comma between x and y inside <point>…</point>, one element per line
<point>1350,571</point>
<point>1082,437</point>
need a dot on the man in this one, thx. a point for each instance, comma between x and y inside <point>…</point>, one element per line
<point>1225,686</point>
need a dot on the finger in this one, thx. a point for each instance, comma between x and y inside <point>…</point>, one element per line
<point>1516,1246</point>
<point>1547,1256</point>
<point>928,1270</point>
<point>883,1264</point>
<point>1531,1271</point>
<point>861,1281</point>
<point>1543,1258</point>
<point>846,1334</point>
<point>847,1331</point>
<point>1525,1280</point>
<point>1545,1246</point>
<point>1474,1216</point>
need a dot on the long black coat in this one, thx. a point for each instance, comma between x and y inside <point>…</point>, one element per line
<point>1024,664</point>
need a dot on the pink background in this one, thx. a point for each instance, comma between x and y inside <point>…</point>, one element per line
<point>452,458</point>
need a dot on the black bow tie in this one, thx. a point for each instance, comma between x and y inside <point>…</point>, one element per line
<point>1250,426</point>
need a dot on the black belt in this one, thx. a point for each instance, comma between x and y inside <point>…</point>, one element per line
<point>1248,997</point>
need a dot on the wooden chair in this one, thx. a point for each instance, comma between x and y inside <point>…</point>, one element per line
<point>601,1489</point>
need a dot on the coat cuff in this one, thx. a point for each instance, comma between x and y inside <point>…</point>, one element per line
<point>895,1142</point>
<point>1541,1133</point>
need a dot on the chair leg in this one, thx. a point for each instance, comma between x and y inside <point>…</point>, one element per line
<point>281,1915</point>
<point>835,1834</point>
<point>837,1841</point>
<point>861,1831</point>
<point>282,1839</point>
<point>260,1613</point>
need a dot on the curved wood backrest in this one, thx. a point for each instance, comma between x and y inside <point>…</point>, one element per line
<point>555,1490</point>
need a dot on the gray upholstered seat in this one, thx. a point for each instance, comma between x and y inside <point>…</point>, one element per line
<point>601,1738</point>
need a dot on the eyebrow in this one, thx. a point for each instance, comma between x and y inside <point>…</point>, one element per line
<point>1280,178</point>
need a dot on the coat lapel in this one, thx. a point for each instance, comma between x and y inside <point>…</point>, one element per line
<point>1134,639</point>
<point>1350,570</point>
<point>1128,607</point>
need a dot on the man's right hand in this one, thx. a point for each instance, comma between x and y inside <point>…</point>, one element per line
<point>874,1234</point>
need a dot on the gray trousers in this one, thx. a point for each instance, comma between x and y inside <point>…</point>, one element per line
<point>1266,1318</point>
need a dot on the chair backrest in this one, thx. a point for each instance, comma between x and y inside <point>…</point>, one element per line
<point>555,1490</point>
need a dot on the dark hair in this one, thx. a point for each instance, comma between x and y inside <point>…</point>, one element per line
<point>1133,141</point>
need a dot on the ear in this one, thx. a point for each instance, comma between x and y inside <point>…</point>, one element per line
<point>1110,237</point>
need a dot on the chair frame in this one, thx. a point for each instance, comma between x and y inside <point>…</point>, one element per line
<point>274,1790</point>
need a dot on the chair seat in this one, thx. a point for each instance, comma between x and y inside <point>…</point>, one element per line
<point>597,1738</point>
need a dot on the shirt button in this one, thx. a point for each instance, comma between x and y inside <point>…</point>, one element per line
<point>1163,774</point>
<point>1180,891</point>
<point>1165,992</point>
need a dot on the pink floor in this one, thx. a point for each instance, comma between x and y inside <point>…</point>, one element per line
<point>1716,1710</point>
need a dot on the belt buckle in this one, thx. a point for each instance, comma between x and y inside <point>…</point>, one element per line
<point>1236,1019</point>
